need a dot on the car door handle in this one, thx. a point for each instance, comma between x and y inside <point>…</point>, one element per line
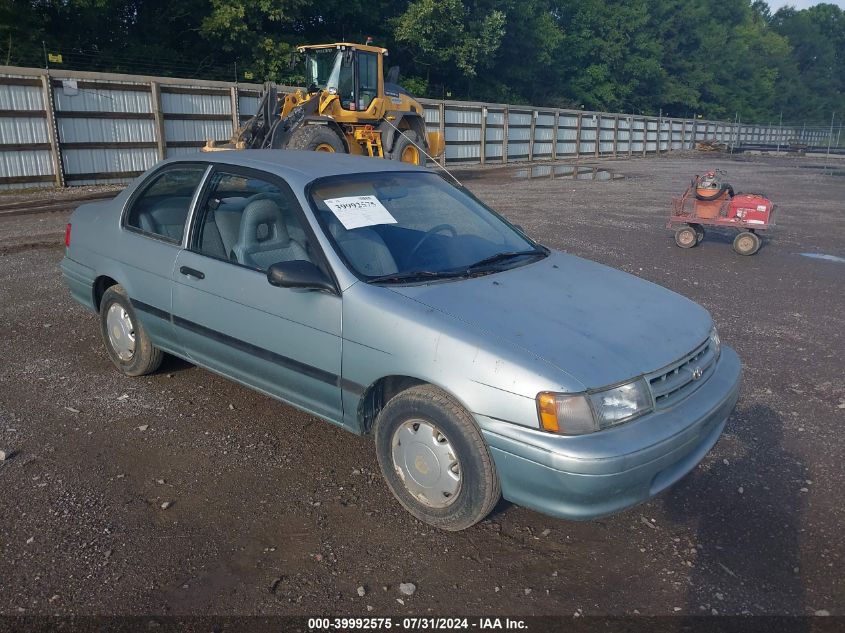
<point>192,272</point>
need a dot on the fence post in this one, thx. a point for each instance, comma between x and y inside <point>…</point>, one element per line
<point>532,130</point>
<point>155,100</point>
<point>615,135</point>
<point>578,134</point>
<point>236,110</point>
<point>505,135</point>
<point>645,136</point>
<point>556,123</point>
<point>52,130</point>
<point>442,116</point>
<point>669,135</point>
<point>597,148</point>
<point>483,141</point>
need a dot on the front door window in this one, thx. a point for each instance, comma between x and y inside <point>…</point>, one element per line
<point>367,79</point>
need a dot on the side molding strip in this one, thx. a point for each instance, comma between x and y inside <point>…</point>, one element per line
<point>283,361</point>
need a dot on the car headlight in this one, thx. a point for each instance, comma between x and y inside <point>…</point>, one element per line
<point>715,341</point>
<point>577,414</point>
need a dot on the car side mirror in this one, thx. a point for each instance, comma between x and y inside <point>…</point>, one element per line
<point>348,57</point>
<point>392,75</point>
<point>298,274</point>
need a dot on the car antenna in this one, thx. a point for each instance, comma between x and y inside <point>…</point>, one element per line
<point>422,149</point>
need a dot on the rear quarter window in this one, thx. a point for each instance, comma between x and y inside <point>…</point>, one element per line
<point>163,205</point>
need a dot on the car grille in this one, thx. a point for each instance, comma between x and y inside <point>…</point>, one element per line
<point>675,382</point>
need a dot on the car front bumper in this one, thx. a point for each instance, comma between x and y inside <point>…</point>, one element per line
<point>588,476</point>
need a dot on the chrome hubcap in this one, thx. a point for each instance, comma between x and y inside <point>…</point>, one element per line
<point>121,332</point>
<point>426,463</point>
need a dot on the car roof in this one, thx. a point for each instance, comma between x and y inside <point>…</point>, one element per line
<point>297,166</point>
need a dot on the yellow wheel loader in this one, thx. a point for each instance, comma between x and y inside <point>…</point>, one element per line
<point>348,106</point>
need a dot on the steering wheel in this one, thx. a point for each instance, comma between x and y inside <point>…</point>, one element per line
<point>429,233</point>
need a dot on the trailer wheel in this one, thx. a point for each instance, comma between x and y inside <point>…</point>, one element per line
<point>699,233</point>
<point>746,243</point>
<point>686,237</point>
<point>317,138</point>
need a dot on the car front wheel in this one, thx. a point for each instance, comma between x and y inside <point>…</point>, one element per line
<point>434,459</point>
<point>127,343</point>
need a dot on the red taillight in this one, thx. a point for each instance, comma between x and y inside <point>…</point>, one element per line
<point>67,235</point>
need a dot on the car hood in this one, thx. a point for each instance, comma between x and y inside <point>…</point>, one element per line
<point>597,324</point>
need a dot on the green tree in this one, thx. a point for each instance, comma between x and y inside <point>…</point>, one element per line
<point>446,33</point>
<point>817,38</point>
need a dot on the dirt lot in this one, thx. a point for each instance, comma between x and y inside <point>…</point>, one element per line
<point>276,512</point>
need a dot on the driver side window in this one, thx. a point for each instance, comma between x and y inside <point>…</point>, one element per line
<point>251,222</point>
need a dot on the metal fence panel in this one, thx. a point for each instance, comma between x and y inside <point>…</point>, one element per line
<point>100,127</point>
<point>85,167</point>
<point>193,103</point>
<point>23,130</point>
<point>26,163</point>
<point>17,97</point>
<point>197,131</point>
<point>97,100</point>
<point>106,131</point>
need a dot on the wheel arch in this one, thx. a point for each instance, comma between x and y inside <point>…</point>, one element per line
<point>101,284</point>
<point>383,390</point>
<point>404,121</point>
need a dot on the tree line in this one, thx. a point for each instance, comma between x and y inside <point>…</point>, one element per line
<point>717,59</point>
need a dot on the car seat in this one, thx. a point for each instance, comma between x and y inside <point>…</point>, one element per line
<point>364,248</point>
<point>166,218</point>
<point>263,237</point>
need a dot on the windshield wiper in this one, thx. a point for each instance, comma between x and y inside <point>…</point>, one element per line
<point>415,275</point>
<point>421,275</point>
<point>502,257</point>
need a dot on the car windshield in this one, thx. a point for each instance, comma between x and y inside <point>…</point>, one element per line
<point>410,226</point>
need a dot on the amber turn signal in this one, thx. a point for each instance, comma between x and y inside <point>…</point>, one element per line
<point>547,408</point>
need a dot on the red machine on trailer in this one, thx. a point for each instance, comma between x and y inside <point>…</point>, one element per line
<point>710,201</point>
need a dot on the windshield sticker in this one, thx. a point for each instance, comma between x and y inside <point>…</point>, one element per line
<point>355,212</point>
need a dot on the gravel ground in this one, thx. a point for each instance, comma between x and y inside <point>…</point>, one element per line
<point>271,511</point>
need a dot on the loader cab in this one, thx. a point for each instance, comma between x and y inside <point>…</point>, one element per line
<point>351,71</point>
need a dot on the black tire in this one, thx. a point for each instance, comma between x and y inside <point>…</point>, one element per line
<point>479,488</point>
<point>145,357</point>
<point>725,187</point>
<point>405,144</point>
<point>746,243</point>
<point>315,138</point>
<point>686,237</point>
<point>699,232</point>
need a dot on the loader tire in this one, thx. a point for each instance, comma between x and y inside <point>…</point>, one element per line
<point>408,148</point>
<point>317,138</point>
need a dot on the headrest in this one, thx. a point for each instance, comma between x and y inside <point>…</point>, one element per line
<point>262,222</point>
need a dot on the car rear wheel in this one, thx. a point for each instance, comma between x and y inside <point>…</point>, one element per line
<point>746,243</point>
<point>434,460</point>
<point>126,341</point>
